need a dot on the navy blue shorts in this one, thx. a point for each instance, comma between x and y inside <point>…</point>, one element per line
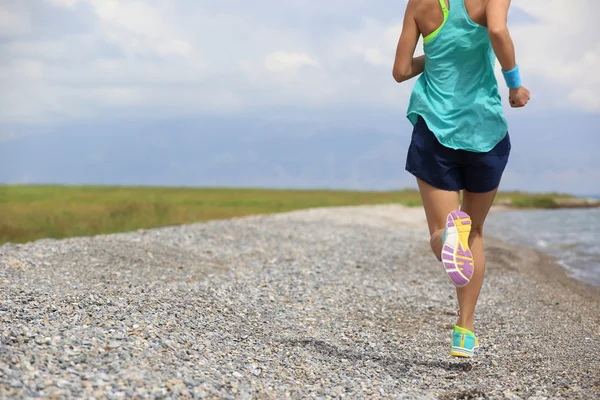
<point>454,170</point>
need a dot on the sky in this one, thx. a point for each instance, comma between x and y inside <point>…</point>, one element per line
<point>324,65</point>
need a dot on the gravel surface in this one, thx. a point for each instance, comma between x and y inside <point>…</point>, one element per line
<point>324,303</point>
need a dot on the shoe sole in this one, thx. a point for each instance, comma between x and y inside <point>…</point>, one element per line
<point>459,352</point>
<point>456,254</point>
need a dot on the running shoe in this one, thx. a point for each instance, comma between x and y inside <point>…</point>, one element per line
<point>463,343</point>
<point>456,255</point>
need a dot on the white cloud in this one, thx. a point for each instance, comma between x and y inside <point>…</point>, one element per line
<point>195,56</point>
<point>562,48</point>
<point>281,61</point>
<point>375,42</point>
<point>586,98</point>
<point>63,3</point>
<point>140,28</point>
<point>14,21</point>
<point>38,48</point>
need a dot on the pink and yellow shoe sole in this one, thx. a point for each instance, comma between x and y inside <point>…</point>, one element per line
<point>456,255</point>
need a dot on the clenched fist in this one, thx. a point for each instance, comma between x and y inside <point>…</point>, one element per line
<point>519,97</point>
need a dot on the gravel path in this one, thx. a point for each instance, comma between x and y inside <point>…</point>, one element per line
<point>325,303</point>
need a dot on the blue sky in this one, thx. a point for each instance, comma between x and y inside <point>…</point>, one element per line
<point>325,65</point>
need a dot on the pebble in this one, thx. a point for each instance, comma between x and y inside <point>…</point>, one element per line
<point>323,303</point>
<point>63,383</point>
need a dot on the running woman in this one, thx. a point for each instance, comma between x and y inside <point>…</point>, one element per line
<point>460,140</point>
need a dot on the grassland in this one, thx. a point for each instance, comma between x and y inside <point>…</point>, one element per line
<point>33,212</point>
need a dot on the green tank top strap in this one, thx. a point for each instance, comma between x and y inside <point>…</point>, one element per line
<point>433,34</point>
<point>444,8</point>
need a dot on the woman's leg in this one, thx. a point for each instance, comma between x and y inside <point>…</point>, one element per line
<point>438,204</point>
<point>477,206</point>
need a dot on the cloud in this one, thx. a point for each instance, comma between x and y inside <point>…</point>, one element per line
<point>14,21</point>
<point>63,3</point>
<point>40,48</point>
<point>375,42</point>
<point>139,28</point>
<point>281,61</point>
<point>561,49</point>
<point>204,56</point>
<point>586,98</point>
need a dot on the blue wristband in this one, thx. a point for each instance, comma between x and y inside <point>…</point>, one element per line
<point>512,77</point>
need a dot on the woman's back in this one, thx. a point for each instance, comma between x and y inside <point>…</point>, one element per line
<point>429,14</point>
<point>457,95</point>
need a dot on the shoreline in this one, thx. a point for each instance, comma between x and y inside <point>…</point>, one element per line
<point>566,268</point>
<point>324,302</point>
<point>548,270</point>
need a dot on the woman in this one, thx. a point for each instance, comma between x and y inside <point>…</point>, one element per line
<point>460,140</point>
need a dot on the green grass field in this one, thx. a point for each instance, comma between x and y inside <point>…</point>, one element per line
<point>32,212</point>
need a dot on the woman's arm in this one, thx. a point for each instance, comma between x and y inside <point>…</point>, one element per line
<point>406,66</point>
<point>497,21</point>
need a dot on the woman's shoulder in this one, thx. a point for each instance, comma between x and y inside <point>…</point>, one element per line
<point>428,15</point>
<point>425,6</point>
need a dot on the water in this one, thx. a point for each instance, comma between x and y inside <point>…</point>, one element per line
<point>571,235</point>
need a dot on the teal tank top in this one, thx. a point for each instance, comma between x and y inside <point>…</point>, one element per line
<point>457,94</point>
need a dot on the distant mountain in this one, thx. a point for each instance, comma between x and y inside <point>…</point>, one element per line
<point>218,152</point>
<point>353,151</point>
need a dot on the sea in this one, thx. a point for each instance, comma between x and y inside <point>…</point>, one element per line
<point>572,236</point>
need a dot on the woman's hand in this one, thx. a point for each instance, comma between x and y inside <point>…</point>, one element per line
<point>519,97</point>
